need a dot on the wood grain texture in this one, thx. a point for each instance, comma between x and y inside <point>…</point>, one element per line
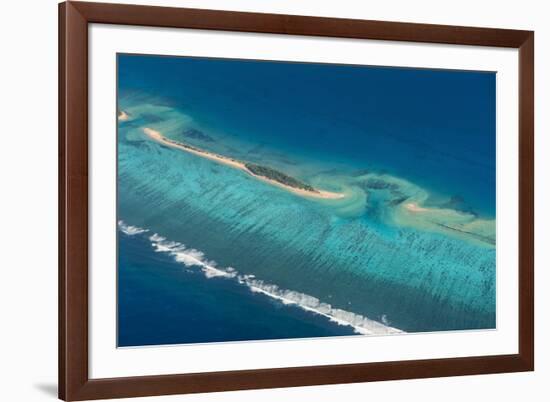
<point>73,200</point>
<point>74,382</point>
<point>526,261</point>
<point>298,25</point>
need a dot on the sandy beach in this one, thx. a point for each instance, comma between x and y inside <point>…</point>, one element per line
<point>411,206</point>
<point>123,116</point>
<point>236,164</point>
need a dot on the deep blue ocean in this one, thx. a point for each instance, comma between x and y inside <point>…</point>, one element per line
<point>160,303</point>
<point>434,127</point>
<point>384,134</point>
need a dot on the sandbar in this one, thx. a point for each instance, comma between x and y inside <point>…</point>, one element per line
<point>123,116</point>
<point>237,164</point>
<point>413,207</point>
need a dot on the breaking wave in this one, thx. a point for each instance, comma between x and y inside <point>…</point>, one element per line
<point>130,230</point>
<point>191,257</point>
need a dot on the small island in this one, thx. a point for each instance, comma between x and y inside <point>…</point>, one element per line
<point>264,173</point>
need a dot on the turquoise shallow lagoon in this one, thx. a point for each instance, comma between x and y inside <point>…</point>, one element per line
<point>410,248</point>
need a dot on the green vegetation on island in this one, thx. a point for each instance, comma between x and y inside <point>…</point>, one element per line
<point>277,176</point>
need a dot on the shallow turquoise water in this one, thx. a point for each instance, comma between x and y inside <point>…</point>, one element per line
<point>418,280</point>
<point>344,254</point>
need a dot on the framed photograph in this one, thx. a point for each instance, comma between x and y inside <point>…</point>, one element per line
<point>257,200</point>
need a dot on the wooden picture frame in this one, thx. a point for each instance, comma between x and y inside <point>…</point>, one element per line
<point>74,381</point>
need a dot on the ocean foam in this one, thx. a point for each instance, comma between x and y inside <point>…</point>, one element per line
<point>130,230</point>
<point>190,257</point>
<point>195,258</point>
<point>360,324</point>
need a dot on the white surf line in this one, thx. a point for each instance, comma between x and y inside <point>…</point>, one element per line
<point>192,257</point>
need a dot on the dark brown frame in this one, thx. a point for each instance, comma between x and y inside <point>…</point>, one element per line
<point>74,17</point>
